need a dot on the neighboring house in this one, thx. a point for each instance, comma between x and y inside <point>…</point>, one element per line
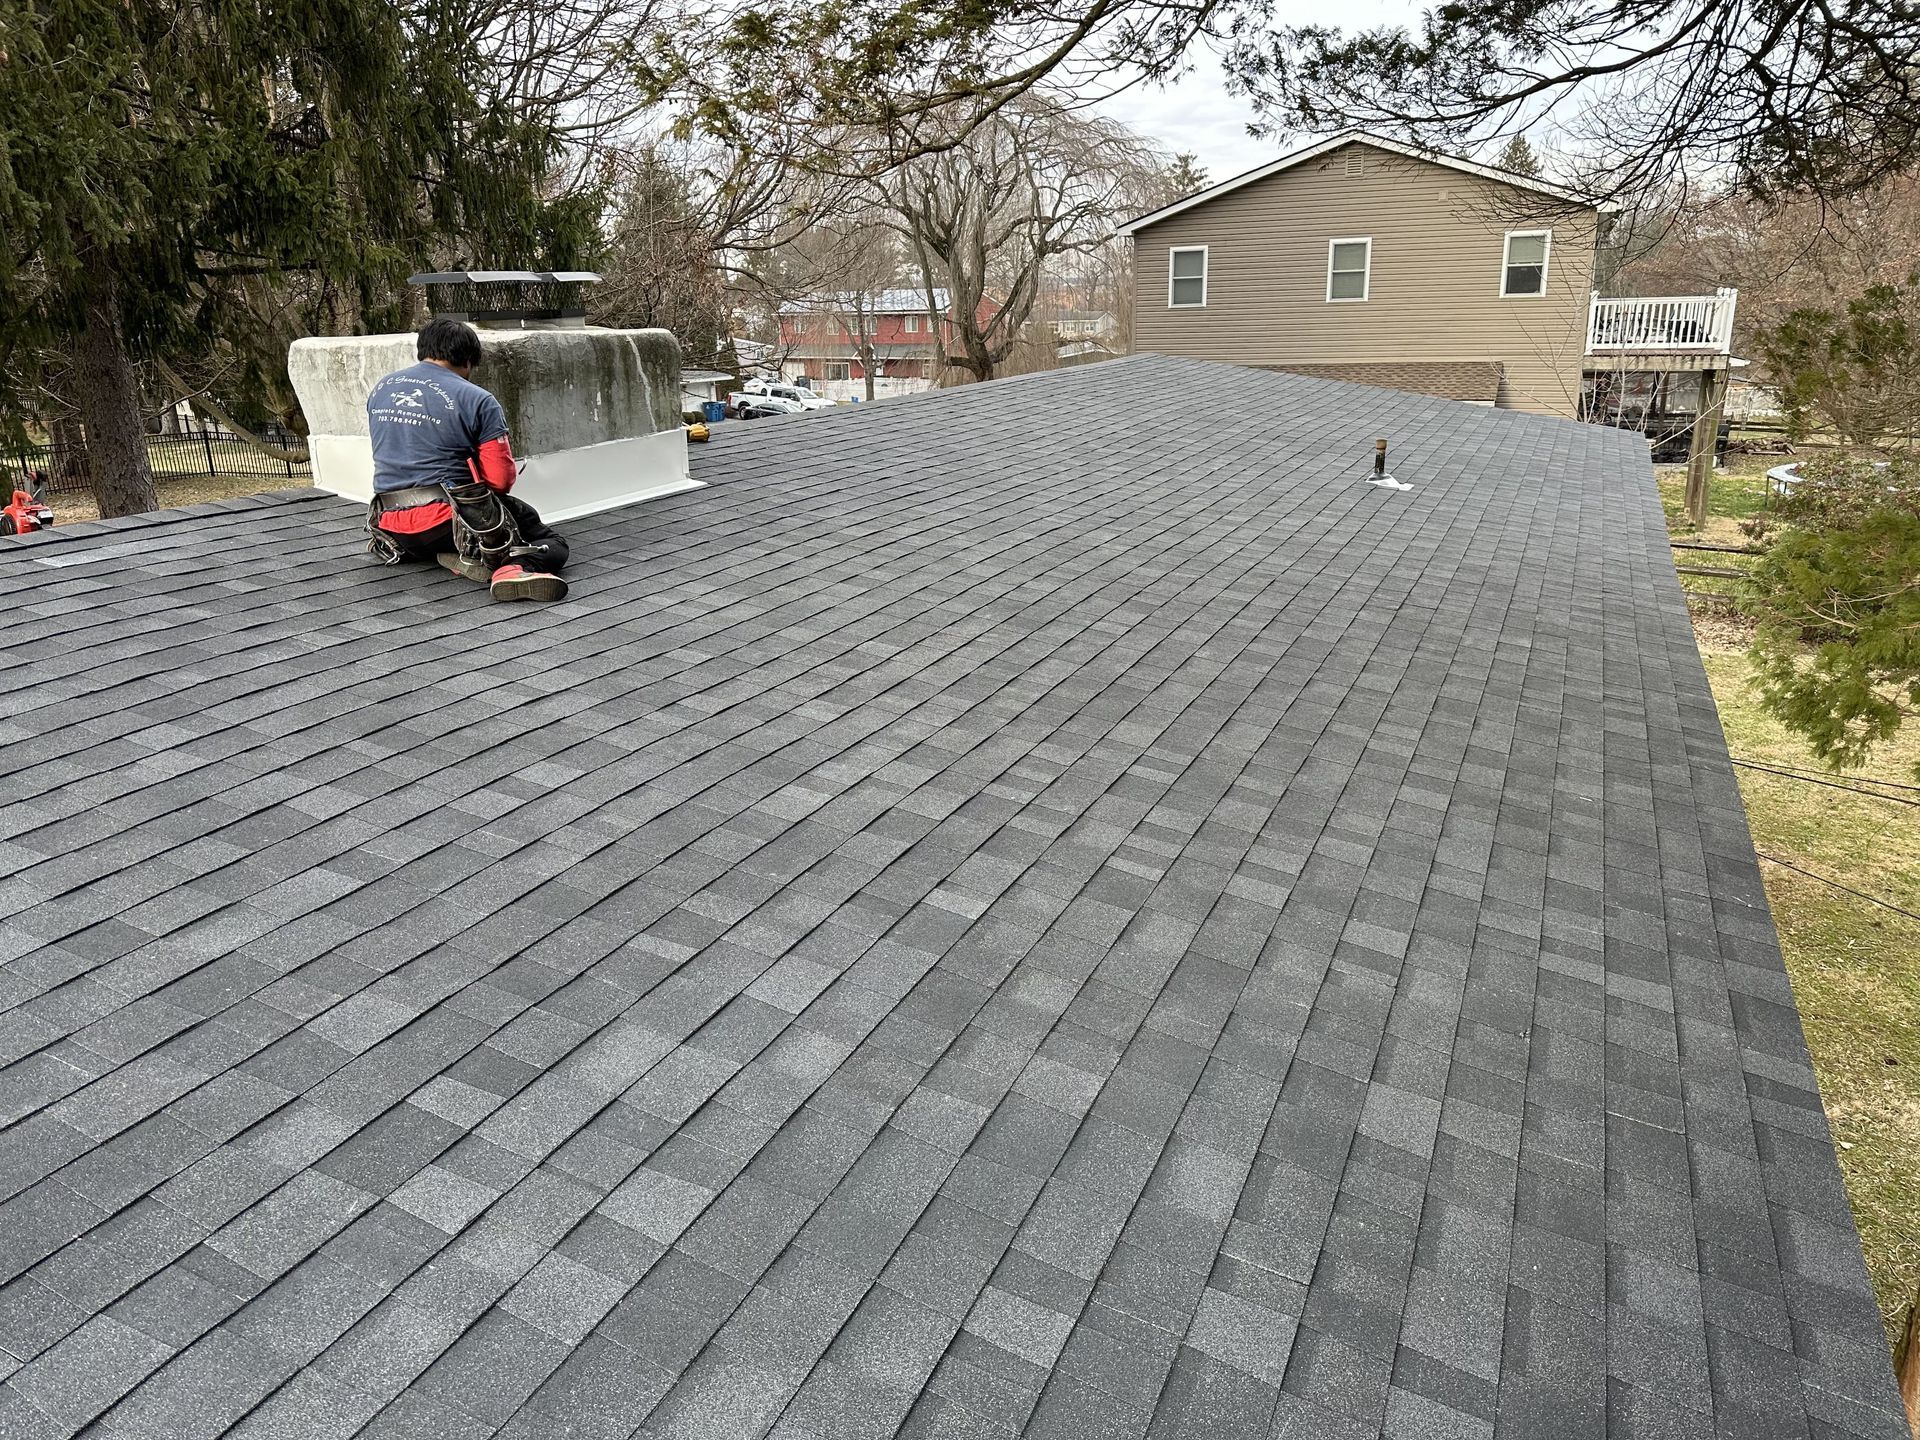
<point>1364,259</point>
<point>1082,324</point>
<point>821,340</point>
<point>1083,337</point>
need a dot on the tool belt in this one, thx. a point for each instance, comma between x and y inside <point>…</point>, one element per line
<point>483,528</point>
<point>410,498</point>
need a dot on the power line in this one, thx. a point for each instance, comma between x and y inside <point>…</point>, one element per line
<point>1809,770</point>
<point>1859,894</point>
<point>1811,779</point>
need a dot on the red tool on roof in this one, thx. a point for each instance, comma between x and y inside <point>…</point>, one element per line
<point>24,514</point>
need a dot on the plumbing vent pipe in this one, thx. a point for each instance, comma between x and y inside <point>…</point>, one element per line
<point>1380,475</point>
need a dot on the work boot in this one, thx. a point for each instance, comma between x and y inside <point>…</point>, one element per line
<point>516,582</point>
<point>465,566</point>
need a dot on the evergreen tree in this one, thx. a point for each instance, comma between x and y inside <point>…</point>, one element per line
<point>659,267</point>
<point>1187,176</point>
<point>1857,369</point>
<point>151,153</point>
<point>1837,640</point>
<point>1518,158</point>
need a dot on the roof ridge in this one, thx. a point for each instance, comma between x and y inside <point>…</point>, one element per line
<point>1288,159</point>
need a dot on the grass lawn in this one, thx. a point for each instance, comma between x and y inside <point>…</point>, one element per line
<point>1851,963</point>
<point>1737,490</point>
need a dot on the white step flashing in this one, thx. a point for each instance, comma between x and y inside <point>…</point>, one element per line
<point>561,485</point>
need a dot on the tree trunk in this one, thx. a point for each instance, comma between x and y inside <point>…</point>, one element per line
<point>866,367</point>
<point>110,408</point>
<point>976,360</point>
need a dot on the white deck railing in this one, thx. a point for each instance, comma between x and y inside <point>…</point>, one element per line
<point>1662,322</point>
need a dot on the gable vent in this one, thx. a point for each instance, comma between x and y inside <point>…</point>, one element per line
<point>1356,163</point>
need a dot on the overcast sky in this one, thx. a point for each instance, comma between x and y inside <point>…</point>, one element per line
<point>1196,114</point>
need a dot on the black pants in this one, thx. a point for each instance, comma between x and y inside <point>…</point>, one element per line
<point>539,547</point>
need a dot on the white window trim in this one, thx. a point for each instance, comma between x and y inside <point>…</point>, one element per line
<point>1366,275</point>
<point>910,324</point>
<point>1206,267</point>
<point>1506,264</point>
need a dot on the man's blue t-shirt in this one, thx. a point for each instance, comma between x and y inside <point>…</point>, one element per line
<point>426,423</point>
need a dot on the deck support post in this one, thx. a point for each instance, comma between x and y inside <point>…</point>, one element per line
<point>1706,429</point>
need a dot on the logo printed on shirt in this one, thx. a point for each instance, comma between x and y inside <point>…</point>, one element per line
<point>424,425</point>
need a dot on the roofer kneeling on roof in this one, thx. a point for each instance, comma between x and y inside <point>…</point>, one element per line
<point>442,468</point>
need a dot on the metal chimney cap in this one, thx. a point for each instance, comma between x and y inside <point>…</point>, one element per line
<point>507,299</point>
<point>521,277</point>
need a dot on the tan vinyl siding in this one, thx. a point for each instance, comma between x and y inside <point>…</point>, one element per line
<point>1435,273</point>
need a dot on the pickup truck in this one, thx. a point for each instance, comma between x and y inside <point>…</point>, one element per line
<point>797,397</point>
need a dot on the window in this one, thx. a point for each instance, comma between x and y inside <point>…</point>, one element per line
<point>911,324</point>
<point>1187,276</point>
<point>1525,270</point>
<point>839,370</point>
<point>1348,264</point>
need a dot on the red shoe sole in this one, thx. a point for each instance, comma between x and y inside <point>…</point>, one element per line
<point>530,587</point>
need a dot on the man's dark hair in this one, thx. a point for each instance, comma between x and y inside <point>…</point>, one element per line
<point>453,341</point>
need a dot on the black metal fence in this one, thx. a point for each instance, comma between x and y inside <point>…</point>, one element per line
<point>64,469</point>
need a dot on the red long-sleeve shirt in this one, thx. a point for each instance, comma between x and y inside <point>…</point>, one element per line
<point>496,468</point>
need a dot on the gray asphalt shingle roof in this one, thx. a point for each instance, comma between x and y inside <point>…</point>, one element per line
<point>1028,910</point>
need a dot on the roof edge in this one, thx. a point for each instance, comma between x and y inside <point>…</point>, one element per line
<point>1348,137</point>
<point>79,530</point>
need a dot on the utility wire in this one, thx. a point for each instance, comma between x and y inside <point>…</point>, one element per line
<point>1860,894</point>
<point>1810,770</point>
<point>1833,784</point>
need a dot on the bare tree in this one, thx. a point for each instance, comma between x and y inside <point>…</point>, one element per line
<point>1782,94</point>
<point>1038,179</point>
<point>1775,95</point>
<point>565,64</point>
<point>833,279</point>
<point>1783,255</point>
